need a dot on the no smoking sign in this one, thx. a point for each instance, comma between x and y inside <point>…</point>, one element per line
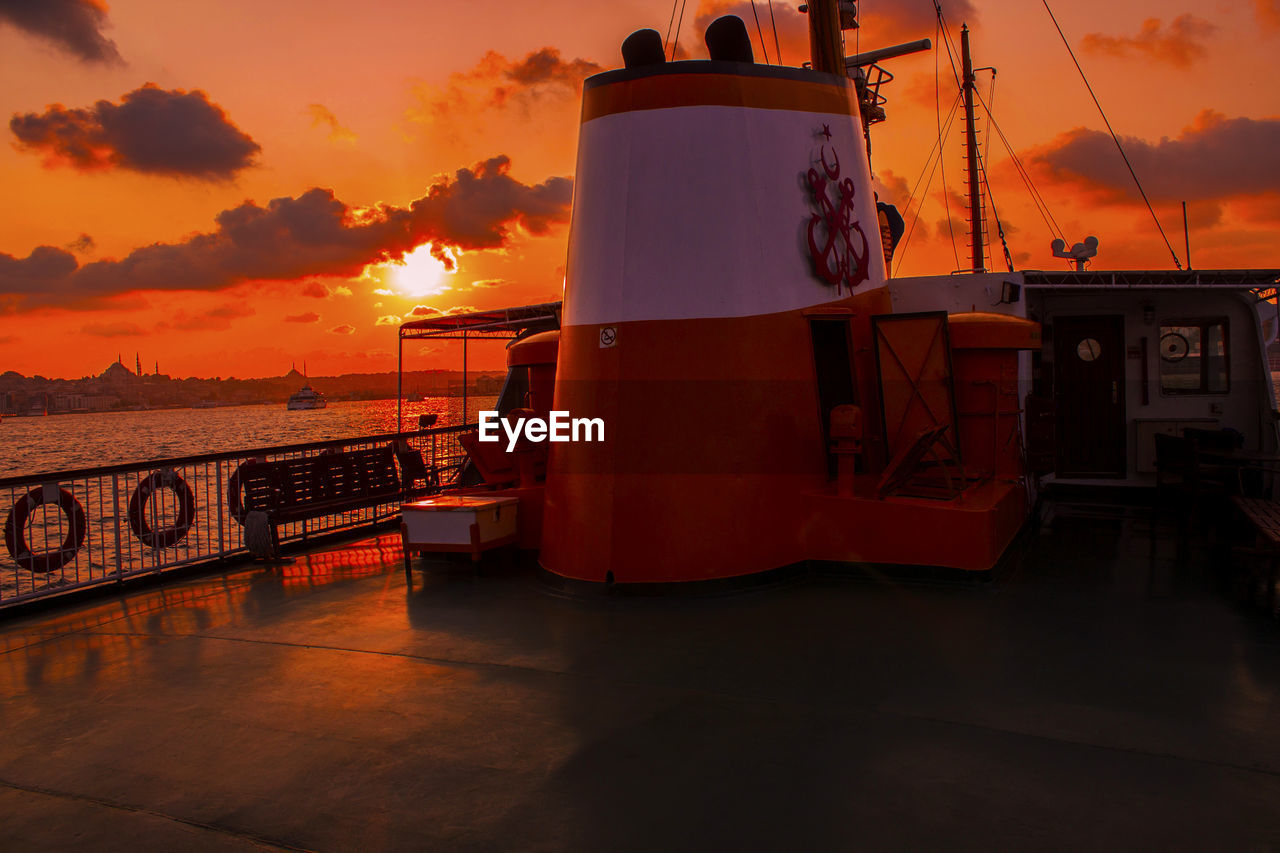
<point>608,337</point>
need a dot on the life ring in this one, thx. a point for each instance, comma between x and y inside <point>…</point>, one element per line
<point>15,532</point>
<point>165,537</point>
<point>235,503</point>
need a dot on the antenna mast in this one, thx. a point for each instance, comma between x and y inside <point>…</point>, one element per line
<point>826,45</point>
<point>971,148</point>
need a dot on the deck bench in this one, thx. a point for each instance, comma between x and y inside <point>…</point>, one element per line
<point>1264,516</point>
<point>290,490</point>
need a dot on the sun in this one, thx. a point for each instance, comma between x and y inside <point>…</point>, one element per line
<point>420,274</point>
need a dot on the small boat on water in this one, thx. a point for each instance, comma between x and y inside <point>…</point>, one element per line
<point>306,398</point>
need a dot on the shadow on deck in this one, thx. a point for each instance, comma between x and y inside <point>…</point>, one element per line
<point>1108,691</point>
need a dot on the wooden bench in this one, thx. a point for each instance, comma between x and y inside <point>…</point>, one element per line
<point>290,490</point>
<point>1264,516</point>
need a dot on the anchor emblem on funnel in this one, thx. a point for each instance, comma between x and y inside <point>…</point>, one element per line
<point>839,258</point>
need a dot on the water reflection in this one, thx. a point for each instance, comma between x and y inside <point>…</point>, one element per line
<point>37,445</point>
<point>88,643</point>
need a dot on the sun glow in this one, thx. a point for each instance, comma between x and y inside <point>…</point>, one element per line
<point>420,274</point>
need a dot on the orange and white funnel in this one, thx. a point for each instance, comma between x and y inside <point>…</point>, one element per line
<point>718,204</point>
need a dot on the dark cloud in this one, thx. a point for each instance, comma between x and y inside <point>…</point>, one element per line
<point>82,245</point>
<point>1215,158</point>
<point>497,82</point>
<point>315,290</point>
<point>545,67</point>
<point>112,330</point>
<point>314,234</point>
<point>151,130</point>
<point>72,25</point>
<point>344,329</point>
<point>306,317</point>
<point>1179,45</point>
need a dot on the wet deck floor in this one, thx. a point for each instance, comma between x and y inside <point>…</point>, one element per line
<point>1097,697</point>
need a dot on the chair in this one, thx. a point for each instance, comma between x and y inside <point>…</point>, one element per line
<point>414,470</point>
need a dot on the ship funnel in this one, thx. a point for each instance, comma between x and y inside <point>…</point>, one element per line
<point>643,47</point>
<point>727,40</point>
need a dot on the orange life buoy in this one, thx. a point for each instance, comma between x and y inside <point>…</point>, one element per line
<point>15,532</point>
<point>165,537</point>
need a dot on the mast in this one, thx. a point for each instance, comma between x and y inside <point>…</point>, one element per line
<point>826,47</point>
<point>971,149</point>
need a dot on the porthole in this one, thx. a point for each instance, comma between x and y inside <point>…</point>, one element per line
<point>1089,349</point>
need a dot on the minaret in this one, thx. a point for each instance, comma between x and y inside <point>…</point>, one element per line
<point>137,363</point>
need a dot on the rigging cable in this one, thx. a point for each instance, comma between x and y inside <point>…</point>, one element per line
<point>1114,138</point>
<point>680,23</point>
<point>955,105</point>
<point>946,42</point>
<point>995,214</point>
<point>670,24</point>
<point>760,33</point>
<point>777,48</point>
<point>937,112</point>
<point>1042,206</point>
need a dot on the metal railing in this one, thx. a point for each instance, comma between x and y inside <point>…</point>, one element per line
<point>67,530</point>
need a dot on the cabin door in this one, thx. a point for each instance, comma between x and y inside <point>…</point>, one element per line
<point>1088,396</point>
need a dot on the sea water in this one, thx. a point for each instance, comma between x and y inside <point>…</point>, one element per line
<point>36,445</point>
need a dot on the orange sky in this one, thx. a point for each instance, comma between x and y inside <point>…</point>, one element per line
<point>149,139</point>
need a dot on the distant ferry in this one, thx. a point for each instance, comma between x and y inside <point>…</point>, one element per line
<point>306,398</point>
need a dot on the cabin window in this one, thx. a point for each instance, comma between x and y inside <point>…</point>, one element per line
<point>1193,356</point>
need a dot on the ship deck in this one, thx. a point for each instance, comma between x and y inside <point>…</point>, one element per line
<point>1107,691</point>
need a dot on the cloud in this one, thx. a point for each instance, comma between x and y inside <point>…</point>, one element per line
<point>387,320</point>
<point>82,245</point>
<point>72,25</point>
<point>428,311</point>
<point>112,330</point>
<point>1180,45</point>
<point>489,282</point>
<point>213,319</point>
<point>305,317</point>
<point>1214,158</point>
<point>322,116</point>
<point>496,82</point>
<point>907,20</point>
<point>313,234</point>
<point>152,130</point>
<point>1267,13</point>
<point>891,188</point>
<point>315,290</point>
<point>344,329</point>
<point>793,30</point>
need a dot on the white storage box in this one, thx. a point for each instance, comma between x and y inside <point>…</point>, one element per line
<point>468,523</point>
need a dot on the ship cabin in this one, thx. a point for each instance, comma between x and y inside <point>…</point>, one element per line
<point>771,397</point>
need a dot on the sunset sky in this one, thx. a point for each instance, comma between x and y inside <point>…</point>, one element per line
<point>228,187</point>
